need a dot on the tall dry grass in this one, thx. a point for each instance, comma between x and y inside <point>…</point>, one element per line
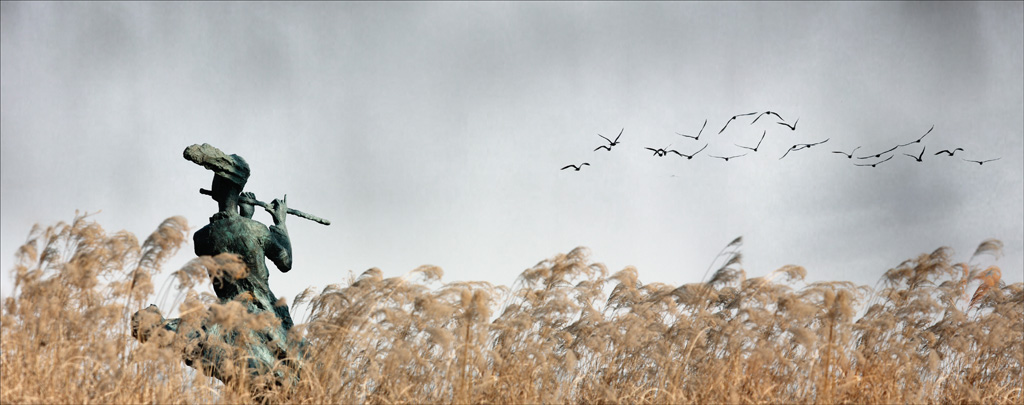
<point>567,332</point>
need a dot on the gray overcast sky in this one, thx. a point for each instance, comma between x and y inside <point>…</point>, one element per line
<point>433,133</point>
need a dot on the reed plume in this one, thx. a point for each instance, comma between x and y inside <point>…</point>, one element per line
<point>568,330</point>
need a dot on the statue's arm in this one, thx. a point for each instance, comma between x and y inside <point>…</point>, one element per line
<point>199,241</point>
<point>279,248</point>
<point>279,245</point>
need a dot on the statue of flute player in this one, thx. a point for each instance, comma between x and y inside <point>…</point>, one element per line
<point>232,230</point>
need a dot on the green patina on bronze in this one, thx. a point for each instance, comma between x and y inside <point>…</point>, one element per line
<point>233,231</point>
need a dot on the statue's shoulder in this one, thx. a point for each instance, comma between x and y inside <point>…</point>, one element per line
<point>254,226</point>
<point>233,224</point>
<point>229,230</point>
<point>202,233</point>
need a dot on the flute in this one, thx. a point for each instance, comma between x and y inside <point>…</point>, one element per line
<point>291,211</point>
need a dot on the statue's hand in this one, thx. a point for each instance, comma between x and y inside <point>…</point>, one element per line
<point>245,209</point>
<point>279,209</point>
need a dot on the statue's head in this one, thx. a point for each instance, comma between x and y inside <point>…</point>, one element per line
<point>223,187</point>
<point>230,172</point>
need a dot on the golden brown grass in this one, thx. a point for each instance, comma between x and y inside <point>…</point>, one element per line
<point>566,332</point>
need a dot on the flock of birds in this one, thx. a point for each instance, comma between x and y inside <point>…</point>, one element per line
<point>665,151</point>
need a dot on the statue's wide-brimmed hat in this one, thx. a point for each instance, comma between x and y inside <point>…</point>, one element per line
<point>230,167</point>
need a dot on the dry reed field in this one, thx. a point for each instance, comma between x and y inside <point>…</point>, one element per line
<point>568,331</point>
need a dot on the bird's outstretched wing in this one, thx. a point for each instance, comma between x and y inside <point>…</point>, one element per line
<point>758,117</point>
<point>878,155</point>
<point>726,125</point>
<point>791,148</point>
<point>695,153</point>
<point>791,127</point>
<point>874,164</point>
<point>922,137</point>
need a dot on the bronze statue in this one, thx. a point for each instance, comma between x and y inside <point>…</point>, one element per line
<point>233,231</point>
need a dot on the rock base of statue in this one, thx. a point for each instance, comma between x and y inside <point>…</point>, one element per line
<point>229,342</point>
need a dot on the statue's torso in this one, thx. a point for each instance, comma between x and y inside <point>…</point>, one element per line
<point>234,234</point>
<point>253,241</point>
<point>239,235</point>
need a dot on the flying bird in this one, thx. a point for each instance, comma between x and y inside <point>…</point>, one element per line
<point>918,157</point>
<point>802,146</point>
<point>848,155</point>
<point>981,162</point>
<point>874,164</point>
<point>879,154</point>
<point>768,113</point>
<point>611,142</point>
<point>688,157</point>
<point>791,127</point>
<point>576,167</point>
<point>733,118</point>
<point>659,151</point>
<point>922,137</point>
<point>698,134</point>
<point>726,158</point>
<point>817,143</point>
<point>793,148</point>
<point>946,151</point>
<point>758,143</point>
